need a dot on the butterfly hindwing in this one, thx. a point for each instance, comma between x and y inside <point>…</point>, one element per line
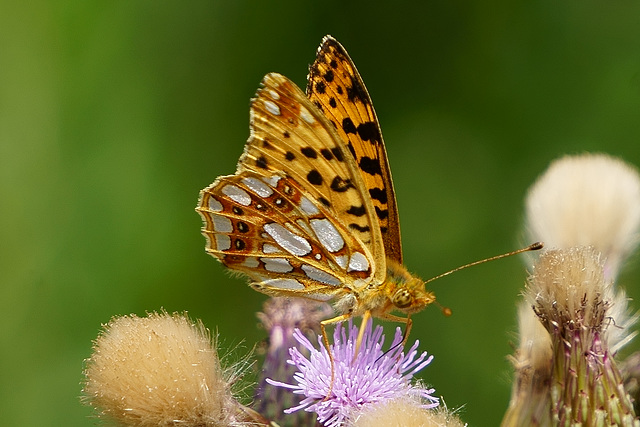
<point>268,228</point>
<point>335,86</point>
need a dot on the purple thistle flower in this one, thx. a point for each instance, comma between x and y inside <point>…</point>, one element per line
<point>372,376</point>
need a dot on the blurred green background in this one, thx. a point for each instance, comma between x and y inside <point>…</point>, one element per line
<point>113,115</point>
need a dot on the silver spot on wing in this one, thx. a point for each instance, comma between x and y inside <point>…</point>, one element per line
<point>292,243</point>
<point>320,276</point>
<point>237,194</point>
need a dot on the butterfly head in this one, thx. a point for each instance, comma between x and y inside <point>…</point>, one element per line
<point>411,296</point>
<point>407,292</point>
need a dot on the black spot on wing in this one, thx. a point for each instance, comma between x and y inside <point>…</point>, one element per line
<point>326,153</point>
<point>321,87</point>
<point>382,213</point>
<point>333,64</point>
<point>325,202</point>
<point>314,177</point>
<point>309,152</point>
<point>359,228</point>
<point>340,185</point>
<point>370,166</point>
<point>353,150</point>
<point>348,126</point>
<point>261,162</point>
<point>357,91</point>
<point>289,155</point>
<point>242,227</point>
<point>332,102</point>
<point>337,153</point>
<point>378,194</point>
<point>369,131</point>
<point>280,202</point>
<point>357,210</point>
<point>286,134</point>
<point>328,76</point>
<point>240,244</point>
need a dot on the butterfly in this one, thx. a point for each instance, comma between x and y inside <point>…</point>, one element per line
<point>311,210</point>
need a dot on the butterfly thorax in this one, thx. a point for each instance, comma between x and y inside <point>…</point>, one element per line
<point>400,291</point>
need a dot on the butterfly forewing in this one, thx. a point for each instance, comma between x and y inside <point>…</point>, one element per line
<point>291,136</point>
<point>335,86</point>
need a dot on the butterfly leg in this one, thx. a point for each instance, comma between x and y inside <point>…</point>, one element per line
<point>406,320</point>
<point>325,339</point>
<point>365,319</point>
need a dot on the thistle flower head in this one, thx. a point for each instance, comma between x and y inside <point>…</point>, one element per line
<point>281,316</point>
<point>574,303</point>
<point>369,377</point>
<point>567,289</point>
<point>405,412</point>
<point>161,370</point>
<point>589,200</point>
<point>587,211</point>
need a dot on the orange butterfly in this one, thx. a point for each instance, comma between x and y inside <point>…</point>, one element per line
<point>311,211</point>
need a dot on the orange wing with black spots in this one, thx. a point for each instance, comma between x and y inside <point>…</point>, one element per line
<point>296,216</point>
<point>310,210</point>
<point>335,87</point>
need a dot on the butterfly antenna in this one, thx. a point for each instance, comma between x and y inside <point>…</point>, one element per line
<point>533,247</point>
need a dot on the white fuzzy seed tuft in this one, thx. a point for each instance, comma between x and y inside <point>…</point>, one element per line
<point>587,200</point>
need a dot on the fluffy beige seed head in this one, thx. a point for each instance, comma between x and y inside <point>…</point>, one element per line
<point>569,283</point>
<point>587,200</point>
<point>569,286</point>
<point>587,322</point>
<point>404,413</point>
<point>158,370</point>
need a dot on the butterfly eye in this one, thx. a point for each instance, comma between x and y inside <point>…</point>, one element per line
<point>402,298</point>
